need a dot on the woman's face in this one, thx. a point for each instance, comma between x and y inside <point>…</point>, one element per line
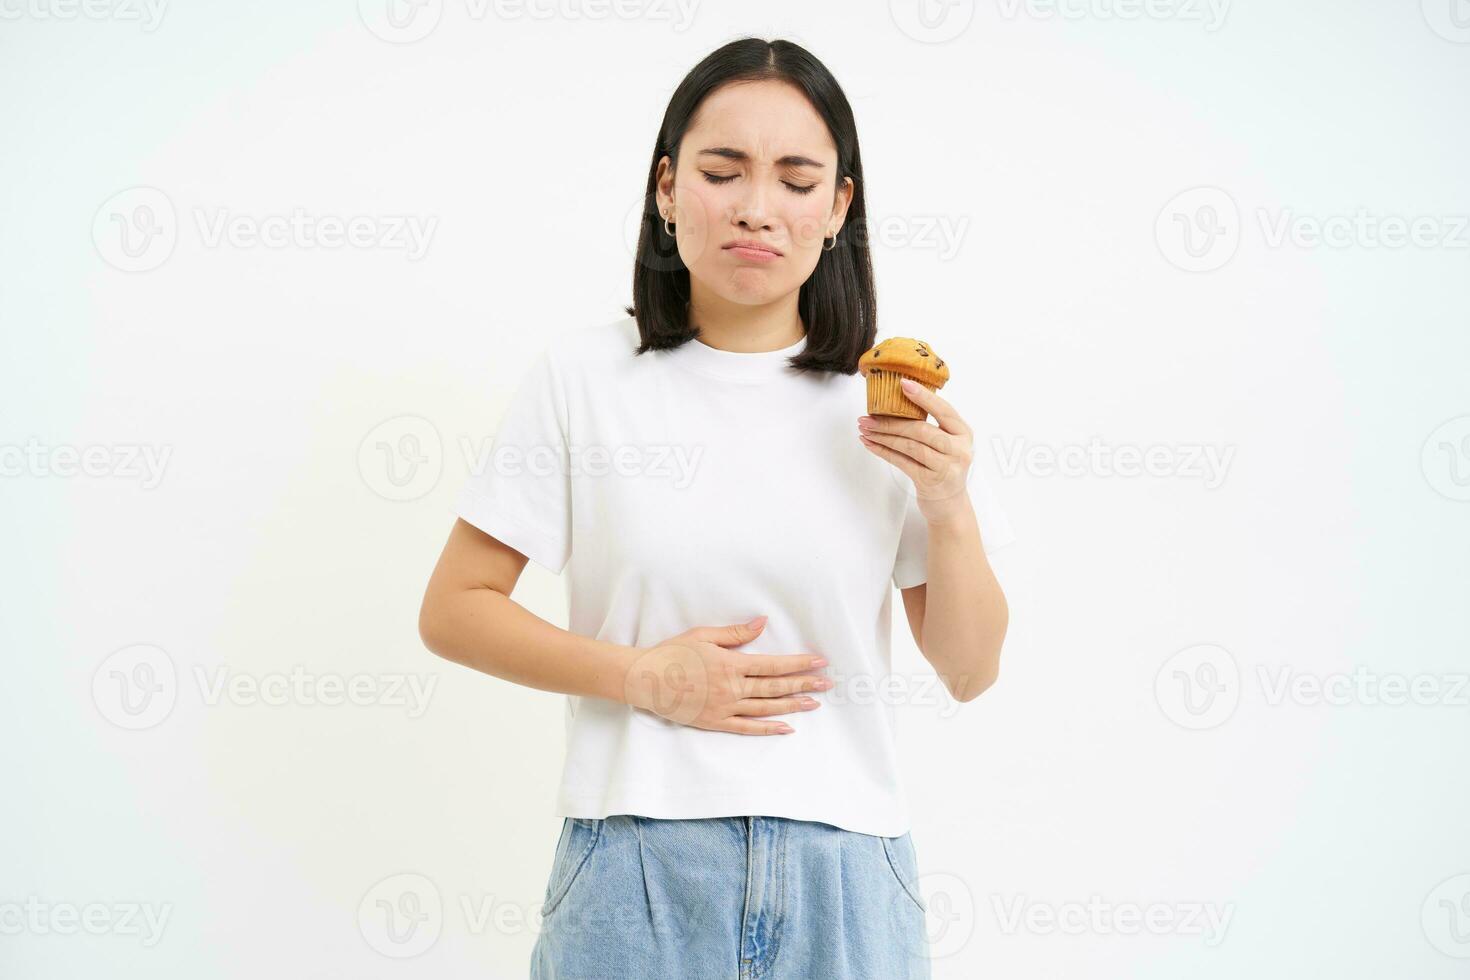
<point>758,164</point>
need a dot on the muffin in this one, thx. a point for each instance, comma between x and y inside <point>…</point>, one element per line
<point>892,360</point>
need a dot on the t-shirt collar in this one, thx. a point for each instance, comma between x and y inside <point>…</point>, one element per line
<point>754,366</point>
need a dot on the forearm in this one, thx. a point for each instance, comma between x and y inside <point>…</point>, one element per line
<point>965,612</point>
<point>488,631</point>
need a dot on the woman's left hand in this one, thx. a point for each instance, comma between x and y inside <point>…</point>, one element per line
<point>935,456</point>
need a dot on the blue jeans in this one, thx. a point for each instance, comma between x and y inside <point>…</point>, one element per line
<point>729,898</point>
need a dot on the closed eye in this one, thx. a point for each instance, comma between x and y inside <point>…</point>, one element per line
<point>714,179</point>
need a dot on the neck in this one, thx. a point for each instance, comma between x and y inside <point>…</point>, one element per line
<point>741,328</point>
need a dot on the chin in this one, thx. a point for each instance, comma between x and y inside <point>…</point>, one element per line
<point>749,293</point>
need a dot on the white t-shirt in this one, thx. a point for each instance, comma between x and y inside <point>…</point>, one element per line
<point>702,487</point>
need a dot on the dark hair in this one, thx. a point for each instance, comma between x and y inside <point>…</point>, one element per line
<point>838,301</point>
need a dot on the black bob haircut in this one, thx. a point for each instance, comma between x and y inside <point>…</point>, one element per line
<point>837,303</point>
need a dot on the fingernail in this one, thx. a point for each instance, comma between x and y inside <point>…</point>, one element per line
<point>757,623</point>
<point>909,384</point>
<point>785,729</point>
<point>819,662</point>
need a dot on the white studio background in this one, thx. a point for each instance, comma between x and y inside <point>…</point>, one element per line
<point>1201,268</point>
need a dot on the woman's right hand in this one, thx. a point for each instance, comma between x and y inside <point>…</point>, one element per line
<point>692,679</point>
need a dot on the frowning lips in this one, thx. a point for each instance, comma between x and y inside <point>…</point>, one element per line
<point>750,243</point>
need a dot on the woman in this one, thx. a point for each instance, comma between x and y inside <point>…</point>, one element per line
<point>730,554</point>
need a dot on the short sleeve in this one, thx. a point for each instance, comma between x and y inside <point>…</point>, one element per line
<point>519,490</point>
<point>911,566</point>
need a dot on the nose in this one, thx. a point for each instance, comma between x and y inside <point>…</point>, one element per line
<point>750,212</point>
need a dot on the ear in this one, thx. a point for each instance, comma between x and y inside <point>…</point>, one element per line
<point>840,203</point>
<point>663,183</point>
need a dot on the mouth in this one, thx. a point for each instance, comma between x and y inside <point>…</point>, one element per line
<point>753,251</point>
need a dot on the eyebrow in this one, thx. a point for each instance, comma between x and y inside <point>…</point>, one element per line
<point>789,160</point>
